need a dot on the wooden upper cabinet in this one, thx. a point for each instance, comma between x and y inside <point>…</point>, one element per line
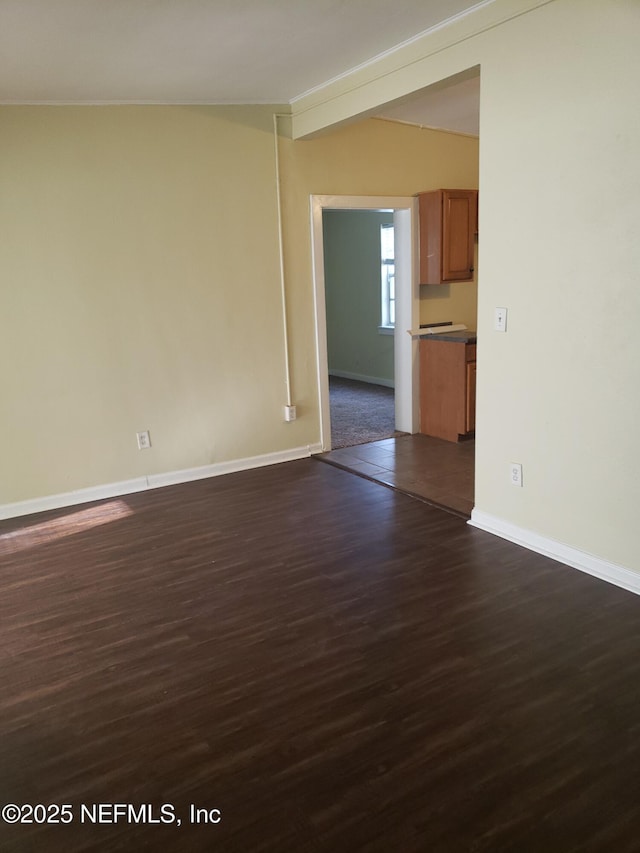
<point>448,223</point>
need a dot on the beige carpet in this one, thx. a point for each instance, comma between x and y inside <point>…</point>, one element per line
<point>360,412</point>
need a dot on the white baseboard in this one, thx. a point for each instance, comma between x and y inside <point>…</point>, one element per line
<point>372,380</point>
<point>596,566</point>
<point>152,481</point>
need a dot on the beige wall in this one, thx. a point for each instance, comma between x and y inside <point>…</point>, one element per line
<point>457,301</point>
<point>561,183</point>
<point>140,290</point>
<point>140,282</point>
<point>559,206</point>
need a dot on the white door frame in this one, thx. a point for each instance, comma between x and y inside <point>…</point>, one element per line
<point>407,303</point>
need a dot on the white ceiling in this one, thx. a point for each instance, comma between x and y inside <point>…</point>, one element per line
<point>452,105</point>
<point>198,51</point>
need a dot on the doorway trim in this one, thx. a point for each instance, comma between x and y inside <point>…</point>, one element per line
<point>407,410</point>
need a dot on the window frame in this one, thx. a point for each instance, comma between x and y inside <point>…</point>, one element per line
<point>387,282</point>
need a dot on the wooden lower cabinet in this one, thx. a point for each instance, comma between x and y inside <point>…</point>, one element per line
<point>447,389</point>
<point>471,397</point>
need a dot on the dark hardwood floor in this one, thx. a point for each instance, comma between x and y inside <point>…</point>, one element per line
<point>333,665</point>
<point>438,471</point>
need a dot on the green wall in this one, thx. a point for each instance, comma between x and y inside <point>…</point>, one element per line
<point>352,291</point>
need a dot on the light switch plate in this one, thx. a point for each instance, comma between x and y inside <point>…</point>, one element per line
<point>500,319</point>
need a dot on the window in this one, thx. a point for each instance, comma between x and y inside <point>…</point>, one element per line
<point>388,282</point>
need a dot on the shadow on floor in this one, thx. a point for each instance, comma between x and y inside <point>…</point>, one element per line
<point>439,472</point>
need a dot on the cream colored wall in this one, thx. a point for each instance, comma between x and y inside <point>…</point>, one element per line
<point>140,282</point>
<point>140,290</point>
<point>559,206</point>
<point>457,301</point>
<point>561,199</point>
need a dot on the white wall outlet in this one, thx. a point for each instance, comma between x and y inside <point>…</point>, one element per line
<point>290,413</point>
<point>500,319</point>
<point>144,440</point>
<point>515,473</point>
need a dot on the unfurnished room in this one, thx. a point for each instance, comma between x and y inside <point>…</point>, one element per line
<point>224,623</point>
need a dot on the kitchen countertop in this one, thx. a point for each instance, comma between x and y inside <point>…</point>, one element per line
<point>467,336</point>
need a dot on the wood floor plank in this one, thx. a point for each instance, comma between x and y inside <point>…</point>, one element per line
<point>333,665</point>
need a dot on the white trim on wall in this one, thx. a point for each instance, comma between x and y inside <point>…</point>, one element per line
<point>372,380</point>
<point>152,481</point>
<point>576,559</point>
<point>407,303</point>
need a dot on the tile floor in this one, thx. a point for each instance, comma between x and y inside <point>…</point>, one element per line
<point>438,471</point>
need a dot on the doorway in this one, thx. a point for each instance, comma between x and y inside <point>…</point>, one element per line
<point>359,270</point>
<point>405,352</point>
<point>439,472</point>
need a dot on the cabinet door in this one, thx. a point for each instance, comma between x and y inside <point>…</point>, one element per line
<point>458,229</point>
<point>430,217</point>
<point>442,389</point>
<point>471,397</point>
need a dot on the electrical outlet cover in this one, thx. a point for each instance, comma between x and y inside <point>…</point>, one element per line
<point>144,440</point>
